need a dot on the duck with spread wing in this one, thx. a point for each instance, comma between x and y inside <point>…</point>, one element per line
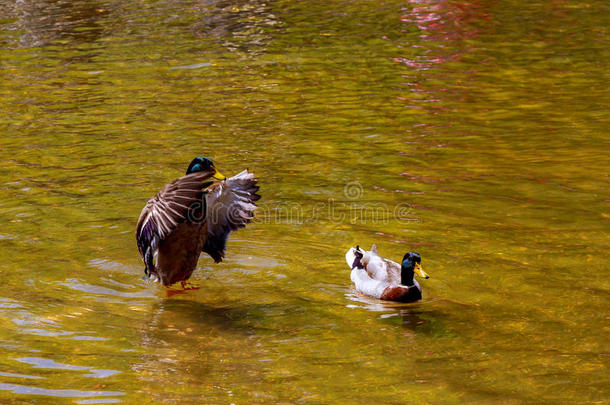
<point>194,213</point>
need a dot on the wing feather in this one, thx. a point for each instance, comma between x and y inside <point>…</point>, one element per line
<point>230,206</point>
<point>169,207</point>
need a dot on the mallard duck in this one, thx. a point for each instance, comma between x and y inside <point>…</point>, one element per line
<point>384,279</point>
<point>194,213</point>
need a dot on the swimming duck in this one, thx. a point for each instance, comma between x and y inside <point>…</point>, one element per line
<point>193,213</point>
<point>384,279</point>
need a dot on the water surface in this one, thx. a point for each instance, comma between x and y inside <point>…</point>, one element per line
<point>473,133</point>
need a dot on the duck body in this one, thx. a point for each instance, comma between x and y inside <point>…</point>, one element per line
<point>194,213</point>
<point>179,253</point>
<point>385,279</point>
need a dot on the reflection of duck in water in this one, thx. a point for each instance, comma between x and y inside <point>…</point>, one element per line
<point>384,279</point>
<point>194,213</point>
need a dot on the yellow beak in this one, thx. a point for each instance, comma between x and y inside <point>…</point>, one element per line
<point>420,272</point>
<point>218,176</point>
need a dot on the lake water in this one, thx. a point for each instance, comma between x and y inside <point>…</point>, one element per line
<point>475,133</point>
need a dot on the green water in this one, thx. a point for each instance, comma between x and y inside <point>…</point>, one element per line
<point>473,133</point>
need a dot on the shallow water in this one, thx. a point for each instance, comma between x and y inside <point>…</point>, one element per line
<point>473,133</point>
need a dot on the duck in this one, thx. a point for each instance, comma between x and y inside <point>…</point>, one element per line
<point>385,279</point>
<point>194,213</point>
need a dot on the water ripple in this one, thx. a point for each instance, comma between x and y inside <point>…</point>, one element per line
<point>33,377</point>
<point>24,389</point>
<point>96,289</point>
<point>38,362</point>
<point>194,66</point>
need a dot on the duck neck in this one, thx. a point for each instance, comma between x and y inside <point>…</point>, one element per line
<point>406,273</point>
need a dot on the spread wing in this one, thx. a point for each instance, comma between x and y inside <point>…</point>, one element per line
<point>171,206</point>
<point>230,206</point>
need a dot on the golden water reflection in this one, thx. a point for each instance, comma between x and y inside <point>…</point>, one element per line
<point>471,133</point>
